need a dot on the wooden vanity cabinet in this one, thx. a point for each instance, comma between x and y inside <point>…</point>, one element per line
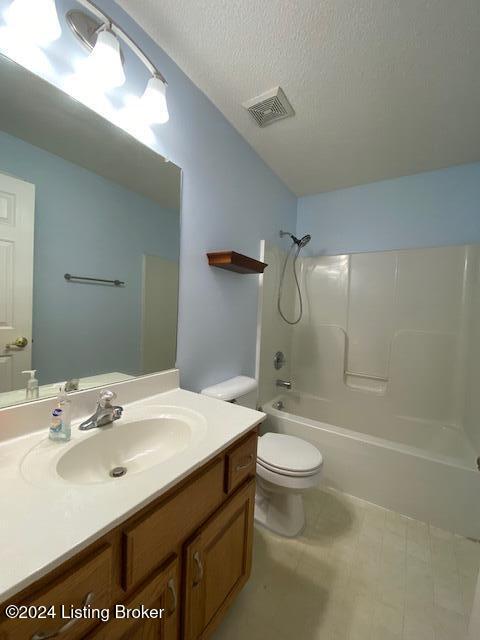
<point>188,553</point>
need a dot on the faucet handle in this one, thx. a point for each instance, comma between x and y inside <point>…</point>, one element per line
<point>106,397</point>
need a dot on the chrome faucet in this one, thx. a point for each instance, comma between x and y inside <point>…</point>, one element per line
<point>105,413</point>
<point>284,384</point>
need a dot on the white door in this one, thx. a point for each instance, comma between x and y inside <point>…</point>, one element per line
<point>17,210</point>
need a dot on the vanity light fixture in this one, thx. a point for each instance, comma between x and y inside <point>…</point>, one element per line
<point>100,35</point>
<point>35,21</point>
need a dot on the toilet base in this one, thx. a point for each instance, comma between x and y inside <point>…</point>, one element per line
<point>283,513</point>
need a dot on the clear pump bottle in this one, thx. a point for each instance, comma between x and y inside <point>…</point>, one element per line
<point>60,428</point>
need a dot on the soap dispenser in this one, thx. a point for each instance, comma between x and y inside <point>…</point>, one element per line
<point>60,428</point>
<point>32,385</point>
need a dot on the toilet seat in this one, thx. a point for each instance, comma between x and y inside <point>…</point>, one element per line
<point>288,455</point>
<point>287,472</point>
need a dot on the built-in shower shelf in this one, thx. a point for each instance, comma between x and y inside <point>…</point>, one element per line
<point>237,262</point>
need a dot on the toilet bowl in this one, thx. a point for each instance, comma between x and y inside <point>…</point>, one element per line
<point>286,466</point>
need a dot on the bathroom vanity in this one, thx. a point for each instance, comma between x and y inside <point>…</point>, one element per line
<point>184,551</point>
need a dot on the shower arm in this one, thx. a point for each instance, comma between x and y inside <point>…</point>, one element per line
<point>300,242</point>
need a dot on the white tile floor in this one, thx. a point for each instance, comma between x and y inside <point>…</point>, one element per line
<point>359,572</point>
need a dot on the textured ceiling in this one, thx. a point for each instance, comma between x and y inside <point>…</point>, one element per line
<point>381,88</point>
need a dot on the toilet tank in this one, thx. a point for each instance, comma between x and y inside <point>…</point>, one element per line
<point>241,390</point>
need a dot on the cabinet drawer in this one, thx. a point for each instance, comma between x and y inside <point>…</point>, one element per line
<point>149,541</point>
<point>88,583</point>
<point>241,462</point>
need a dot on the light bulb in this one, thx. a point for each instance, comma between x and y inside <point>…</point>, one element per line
<point>34,20</point>
<point>153,103</point>
<point>104,65</point>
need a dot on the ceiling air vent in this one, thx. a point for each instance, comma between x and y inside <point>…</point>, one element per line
<point>269,107</point>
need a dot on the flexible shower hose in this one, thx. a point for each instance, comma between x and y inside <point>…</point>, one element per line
<point>282,278</point>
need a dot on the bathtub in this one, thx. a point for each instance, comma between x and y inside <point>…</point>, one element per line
<point>420,469</point>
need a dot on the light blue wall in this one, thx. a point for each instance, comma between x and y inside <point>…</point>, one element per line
<point>231,200</point>
<point>86,225</point>
<point>428,209</point>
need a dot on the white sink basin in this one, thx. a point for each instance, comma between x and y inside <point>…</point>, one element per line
<point>129,446</point>
<point>133,447</point>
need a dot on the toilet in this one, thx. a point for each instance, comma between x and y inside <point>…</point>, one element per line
<point>287,466</point>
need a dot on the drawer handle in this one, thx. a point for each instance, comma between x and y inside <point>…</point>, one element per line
<point>171,588</point>
<point>198,562</point>
<point>46,635</point>
<point>241,467</point>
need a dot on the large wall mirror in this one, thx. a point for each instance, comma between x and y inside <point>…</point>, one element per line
<point>89,245</point>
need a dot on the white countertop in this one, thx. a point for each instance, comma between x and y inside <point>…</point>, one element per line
<point>42,525</point>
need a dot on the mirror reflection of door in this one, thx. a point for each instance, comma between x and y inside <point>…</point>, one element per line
<point>17,211</point>
<point>160,302</point>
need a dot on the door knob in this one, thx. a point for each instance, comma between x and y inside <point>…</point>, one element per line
<point>19,343</point>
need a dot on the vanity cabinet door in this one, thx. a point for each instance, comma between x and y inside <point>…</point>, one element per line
<point>218,562</point>
<point>161,592</point>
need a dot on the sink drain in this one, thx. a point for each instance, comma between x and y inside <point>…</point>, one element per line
<point>118,472</point>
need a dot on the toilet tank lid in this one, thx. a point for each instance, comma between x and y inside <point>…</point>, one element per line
<point>231,389</point>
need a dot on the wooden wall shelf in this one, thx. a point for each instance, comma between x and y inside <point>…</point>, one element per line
<point>233,261</point>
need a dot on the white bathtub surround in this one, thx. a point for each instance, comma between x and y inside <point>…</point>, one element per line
<point>413,469</point>
<point>70,512</point>
<point>359,572</point>
<point>390,326</point>
<point>395,330</point>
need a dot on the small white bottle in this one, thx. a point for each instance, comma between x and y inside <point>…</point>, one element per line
<point>31,390</point>
<point>60,428</point>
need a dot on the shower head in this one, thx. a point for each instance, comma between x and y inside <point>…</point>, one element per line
<point>302,242</point>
